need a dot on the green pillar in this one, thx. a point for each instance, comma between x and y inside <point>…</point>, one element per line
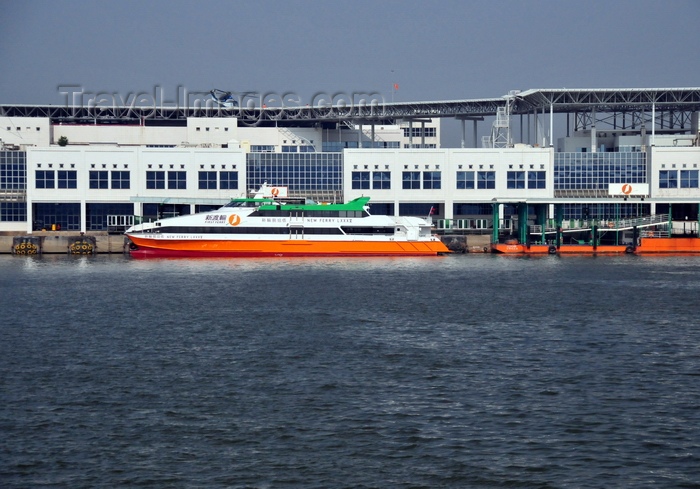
<point>522,222</point>
<point>496,220</point>
<point>542,220</point>
<point>559,218</point>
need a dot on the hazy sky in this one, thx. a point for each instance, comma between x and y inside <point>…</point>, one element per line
<point>441,50</point>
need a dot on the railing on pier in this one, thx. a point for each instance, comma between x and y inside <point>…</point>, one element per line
<point>602,224</point>
<point>119,224</point>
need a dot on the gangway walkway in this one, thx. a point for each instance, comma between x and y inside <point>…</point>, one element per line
<point>577,225</point>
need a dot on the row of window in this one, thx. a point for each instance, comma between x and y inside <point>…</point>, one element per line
<point>428,180</point>
<point>275,230</point>
<point>670,179</point>
<point>417,132</point>
<point>175,180</point>
<point>382,180</point>
<point>535,179</point>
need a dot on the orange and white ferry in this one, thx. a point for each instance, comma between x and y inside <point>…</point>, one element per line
<point>264,225</point>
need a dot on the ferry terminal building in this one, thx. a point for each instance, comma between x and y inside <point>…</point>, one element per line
<point>625,153</point>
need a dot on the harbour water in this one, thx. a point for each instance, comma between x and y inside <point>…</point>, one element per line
<point>464,371</point>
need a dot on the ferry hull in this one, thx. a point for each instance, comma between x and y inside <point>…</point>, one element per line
<point>145,247</point>
<point>646,246</point>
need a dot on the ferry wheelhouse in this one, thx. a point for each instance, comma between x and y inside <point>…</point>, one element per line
<point>265,225</point>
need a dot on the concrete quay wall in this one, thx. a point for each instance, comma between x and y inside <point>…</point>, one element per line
<point>55,242</point>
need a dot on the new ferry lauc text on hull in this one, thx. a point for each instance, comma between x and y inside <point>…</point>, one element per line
<point>267,224</point>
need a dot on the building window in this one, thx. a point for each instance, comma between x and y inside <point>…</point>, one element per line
<point>689,178</point>
<point>99,179</point>
<point>515,179</point>
<point>45,179</point>
<point>262,148</point>
<point>417,132</point>
<point>121,179</point>
<point>360,180</point>
<point>207,180</point>
<point>486,179</point>
<point>411,180</point>
<point>536,179</point>
<point>155,179</point>
<point>668,179</point>
<point>177,180</point>
<point>67,179</point>
<point>13,211</point>
<point>289,149</point>
<point>465,179</point>
<point>228,180</point>
<point>431,180</point>
<point>381,180</point>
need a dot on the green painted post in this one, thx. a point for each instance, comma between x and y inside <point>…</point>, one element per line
<point>542,218</point>
<point>496,220</point>
<point>559,217</point>
<point>522,222</point>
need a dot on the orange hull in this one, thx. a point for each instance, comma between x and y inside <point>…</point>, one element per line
<point>160,247</point>
<point>647,245</point>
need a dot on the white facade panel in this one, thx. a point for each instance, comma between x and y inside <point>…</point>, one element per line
<point>137,162</point>
<point>448,162</point>
<point>25,131</point>
<point>680,167</point>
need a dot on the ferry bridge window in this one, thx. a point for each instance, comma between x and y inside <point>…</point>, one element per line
<point>381,180</point>
<point>465,180</point>
<point>228,180</point>
<point>536,179</point>
<point>45,179</point>
<point>689,178</point>
<point>155,179</point>
<point>668,179</point>
<point>207,180</point>
<point>486,179</point>
<point>360,180</point>
<point>411,180</point>
<point>121,179</point>
<point>98,179</point>
<point>432,180</point>
<point>67,179</point>
<point>177,180</point>
<point>515,179</point>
